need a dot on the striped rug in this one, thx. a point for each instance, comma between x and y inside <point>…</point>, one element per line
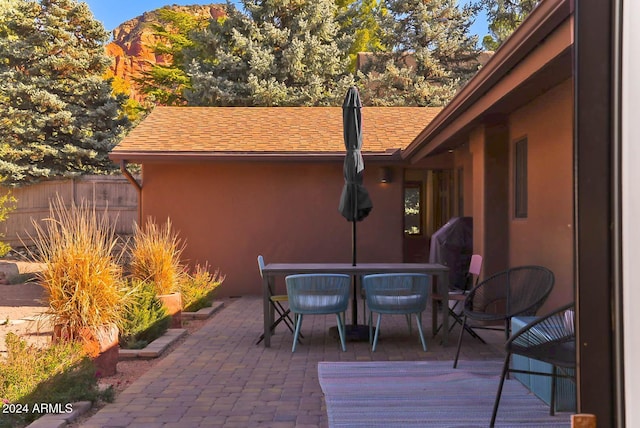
<point>428,394</point>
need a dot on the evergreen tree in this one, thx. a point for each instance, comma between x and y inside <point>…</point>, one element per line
<point>58,116</point>
<point>358,19</point>
<point>132,109</point>
<point>504,17</point>
<point>166,83</point>
<point>7,205</point>
<point>429,53</point>
<point>282,52</point>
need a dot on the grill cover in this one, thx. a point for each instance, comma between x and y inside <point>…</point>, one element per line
<point>452,246</point>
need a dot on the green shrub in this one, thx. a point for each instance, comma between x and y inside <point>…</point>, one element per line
<point>58,374</point>
<point>198,288</point>
<point>146,318</point>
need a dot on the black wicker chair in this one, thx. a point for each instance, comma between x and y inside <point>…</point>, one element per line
<point>550,339</point>
<point>518,291</point>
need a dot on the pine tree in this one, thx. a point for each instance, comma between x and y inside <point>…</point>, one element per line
<point>282,52</point>
<point>358,18</point>
<point>7,205</point>
<point>429,53</point>
<point>504,17</point>
<point>132,109</point>
<point>166,82</point>
<point>58,116</point>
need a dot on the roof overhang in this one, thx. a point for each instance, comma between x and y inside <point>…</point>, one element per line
<point>390,156</point>
<point>535,58</point>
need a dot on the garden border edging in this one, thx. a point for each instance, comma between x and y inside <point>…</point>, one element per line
<point>160,345</point>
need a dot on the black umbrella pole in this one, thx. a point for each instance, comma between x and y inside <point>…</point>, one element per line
<point>354,310</point>
<point>355,331</point>
<point>353,243</point>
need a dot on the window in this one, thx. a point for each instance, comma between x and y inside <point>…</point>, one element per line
<point>413,208</point>
<point>443,198</point>
<point>520,179</point>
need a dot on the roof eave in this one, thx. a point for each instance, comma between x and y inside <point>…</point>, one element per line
<point>547,16</point>
<point>389,156</point>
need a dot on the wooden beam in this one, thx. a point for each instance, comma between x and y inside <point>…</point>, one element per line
<point>583,420</point>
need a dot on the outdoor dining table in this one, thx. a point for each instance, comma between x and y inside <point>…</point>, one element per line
<point>440,285</point>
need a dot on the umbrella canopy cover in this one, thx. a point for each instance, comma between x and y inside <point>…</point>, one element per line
<point>355,203</point>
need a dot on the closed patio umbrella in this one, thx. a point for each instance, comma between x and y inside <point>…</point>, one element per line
<point>355,203</point>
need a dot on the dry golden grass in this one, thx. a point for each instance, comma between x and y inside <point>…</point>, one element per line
<point>155,257</point>
<point>198,288</point>
<point>82,277</point>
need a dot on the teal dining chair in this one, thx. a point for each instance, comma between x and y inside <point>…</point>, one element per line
<point>396,293</point>
<point>318,294</point>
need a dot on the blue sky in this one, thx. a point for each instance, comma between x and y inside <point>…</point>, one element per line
<point>114,12</point>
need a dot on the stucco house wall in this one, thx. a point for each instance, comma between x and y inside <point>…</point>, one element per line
<point>286,211</point>
<point>237,182</point>
<point>525,90</point>
<point>546,236</point>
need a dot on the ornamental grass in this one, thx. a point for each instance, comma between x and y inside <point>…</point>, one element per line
<point>82,276</point>
<point>155,257</point>
<point>198,288</point>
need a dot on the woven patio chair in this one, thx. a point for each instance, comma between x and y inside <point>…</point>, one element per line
<point>550,339</point>
<point>318,294</point>
<point>458,296</point>
<point>518,291</point>
<point>276,301</point>
<point>396,293</point>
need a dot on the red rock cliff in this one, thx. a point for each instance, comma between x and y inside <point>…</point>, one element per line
<point>131,48</point>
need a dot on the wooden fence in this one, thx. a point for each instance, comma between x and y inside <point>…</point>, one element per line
<point>111,194</point>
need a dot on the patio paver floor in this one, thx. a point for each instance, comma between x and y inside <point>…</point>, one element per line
<point>220,377</point>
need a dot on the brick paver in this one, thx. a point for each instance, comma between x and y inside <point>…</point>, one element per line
<point>219,377</point>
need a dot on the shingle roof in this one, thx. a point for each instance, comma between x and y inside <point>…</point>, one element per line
<point>264,130</point>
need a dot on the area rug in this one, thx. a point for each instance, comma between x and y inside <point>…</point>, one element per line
<point>428,394</point>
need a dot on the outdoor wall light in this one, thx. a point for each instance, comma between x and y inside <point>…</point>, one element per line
<point>384,174</point>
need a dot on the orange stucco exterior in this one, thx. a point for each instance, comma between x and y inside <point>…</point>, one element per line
<point>229,212</point>
<point>545,237</point>
<point>532,98</point>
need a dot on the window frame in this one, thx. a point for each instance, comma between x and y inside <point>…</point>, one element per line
<point>413,185</point>
<point>520,178</point>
